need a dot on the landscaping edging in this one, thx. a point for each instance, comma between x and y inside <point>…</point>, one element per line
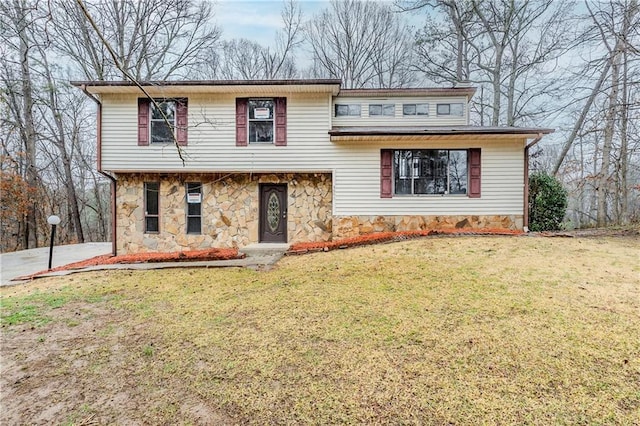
<point>385,237</point>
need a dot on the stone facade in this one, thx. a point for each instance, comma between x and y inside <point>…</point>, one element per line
<point>353,226</point>
<point>229,210</point>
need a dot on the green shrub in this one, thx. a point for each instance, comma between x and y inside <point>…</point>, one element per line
<point>547,202</point>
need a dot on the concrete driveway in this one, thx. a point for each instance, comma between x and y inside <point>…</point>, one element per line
<point>26,262</point>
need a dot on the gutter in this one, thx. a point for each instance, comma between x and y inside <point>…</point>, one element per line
<point>526,181</point>
<point>113,180</point>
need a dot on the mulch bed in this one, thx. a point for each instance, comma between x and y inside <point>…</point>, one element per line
<point>178,256</point>
<point>384,237</point>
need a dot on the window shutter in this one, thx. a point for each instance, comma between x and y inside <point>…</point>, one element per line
<point>281,121</point>
<point>241,121</point>
<point>143,121</point>
<point>181,121</point>
<point>474,173</point>
<point>386,166</point>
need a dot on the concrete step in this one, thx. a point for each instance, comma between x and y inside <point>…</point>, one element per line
<point>264,249</point>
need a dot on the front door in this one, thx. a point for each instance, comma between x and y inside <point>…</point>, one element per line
<point>273,213</point>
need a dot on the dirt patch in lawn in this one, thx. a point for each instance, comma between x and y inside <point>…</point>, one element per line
<point>461,330</point>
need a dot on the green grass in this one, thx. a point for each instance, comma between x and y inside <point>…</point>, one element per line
<point>431,331</point>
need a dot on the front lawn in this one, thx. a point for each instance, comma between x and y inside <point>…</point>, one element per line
<point>447,330</point>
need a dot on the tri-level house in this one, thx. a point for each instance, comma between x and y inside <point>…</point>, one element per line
<point>199,164</point>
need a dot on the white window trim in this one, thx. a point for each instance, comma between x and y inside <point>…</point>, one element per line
<point>250,120</point>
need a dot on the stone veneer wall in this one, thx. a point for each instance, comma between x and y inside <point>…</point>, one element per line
<point>352,226</point>
<point>229,210</point>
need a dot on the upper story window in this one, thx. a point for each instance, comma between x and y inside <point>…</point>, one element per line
<point>164,123</point>
<point>347,110</point>
<point>261,121</point>
<point>388,110</point>
<point>456,109</point>
<point>415,109</point>
<point>261,126</point>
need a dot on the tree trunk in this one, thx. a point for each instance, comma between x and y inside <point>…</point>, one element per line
<point>31,228</point>
<point>610,120</point>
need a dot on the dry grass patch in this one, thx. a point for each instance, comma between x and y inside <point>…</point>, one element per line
<point>495,330</point>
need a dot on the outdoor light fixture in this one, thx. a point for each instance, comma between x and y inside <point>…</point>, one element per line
<point>53,220</point>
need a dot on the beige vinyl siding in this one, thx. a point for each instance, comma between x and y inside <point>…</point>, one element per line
<point>400,120</point>
<point>211,138</point>
<point>355,165</point>
<point>357,182</point>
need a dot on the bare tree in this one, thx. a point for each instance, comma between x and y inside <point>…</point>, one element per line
<point>17,18</point>
<point>363,43</point>
<point>508,48</point>
<point>152,39</point>
<point>244,59</point>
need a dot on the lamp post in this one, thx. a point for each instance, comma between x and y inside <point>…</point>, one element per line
<point>53,220</point>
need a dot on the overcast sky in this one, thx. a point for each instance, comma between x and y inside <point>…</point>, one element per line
<point>257,20</point>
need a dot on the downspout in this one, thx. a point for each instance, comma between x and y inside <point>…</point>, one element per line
<point>526,181</point>
<point>113,180</point>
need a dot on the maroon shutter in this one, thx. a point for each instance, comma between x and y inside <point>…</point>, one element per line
<point>386,165</point>
<point>474,173</point>
<point>281,121</point>
<point>143,121</point>
<point>181,121</point>
<point>241,121</point>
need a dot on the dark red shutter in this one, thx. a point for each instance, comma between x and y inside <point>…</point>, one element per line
<point>181,121</point>
<point>281,121</point>
<point>474,173</point>
<point>143,121</point>
<point>386,167</point>
<point>241,121</point>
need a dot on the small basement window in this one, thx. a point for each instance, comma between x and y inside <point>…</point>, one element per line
<point>347,110</point>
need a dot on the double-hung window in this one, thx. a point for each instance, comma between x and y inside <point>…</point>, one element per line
<point>162,121</point>
<point>261,123</point>
<point>194,207</point>
<point>430,171</point>
<point>151,207</point>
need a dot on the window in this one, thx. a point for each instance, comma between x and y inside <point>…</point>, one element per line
<point>430,171</point>
<point>347,110</point>
<point>388,110</point>
<point>161,130</point>
<point>415,109</point>
<point>261,120</point>
<point>194,207</point>
<point>152,127</point>
<point>151,207</point>
<point>451,109</point>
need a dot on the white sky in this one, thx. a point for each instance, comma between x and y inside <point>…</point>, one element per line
<point>257,20</point>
